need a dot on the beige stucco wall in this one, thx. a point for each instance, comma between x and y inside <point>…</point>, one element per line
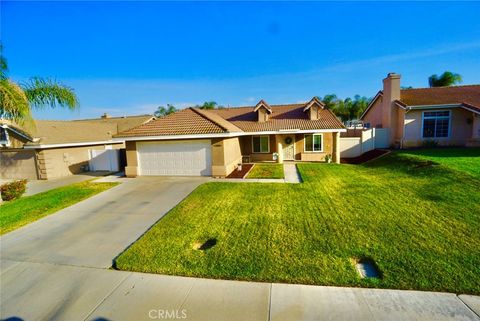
<point>18,164</point>
<point>374,114</point>
<point>226,155</point>
<point>60,162</point>
<point>246,149</point>
<point>131,170</point>
<point>301,154</point>
<point>461,129</point>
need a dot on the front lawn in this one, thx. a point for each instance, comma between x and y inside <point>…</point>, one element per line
<point>17,213</point>
<point>266,170</point>
<point>418,220</point>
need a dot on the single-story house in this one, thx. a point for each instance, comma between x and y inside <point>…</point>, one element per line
<point>54,149</point>
<point>196,142</point>
<point>448,116</point>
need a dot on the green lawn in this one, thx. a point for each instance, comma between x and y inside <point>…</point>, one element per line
<point>419,221</point>
<point>265,170</point>
<point>17,213</point>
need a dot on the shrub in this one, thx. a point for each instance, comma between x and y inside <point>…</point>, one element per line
<point>13,190</point>
<point>430,143</point>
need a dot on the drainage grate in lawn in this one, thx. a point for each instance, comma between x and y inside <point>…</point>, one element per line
<point>208,244</point>
<point>367,268</point>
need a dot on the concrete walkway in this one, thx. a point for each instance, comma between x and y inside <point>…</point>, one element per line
<point>43,291</point>
<point>57,269</point>
<point>291,173</point>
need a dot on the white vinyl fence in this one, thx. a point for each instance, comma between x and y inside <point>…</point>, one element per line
<point>104,160</point>
<point>368,140</point>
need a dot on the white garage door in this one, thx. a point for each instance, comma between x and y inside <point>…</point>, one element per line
<point>180,158</point>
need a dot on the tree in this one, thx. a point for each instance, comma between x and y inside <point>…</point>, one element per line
<point>209,105</point>
<point>164,111</point>
<point>348,108</point>
<point>18,100</point>
<point>448,78</point>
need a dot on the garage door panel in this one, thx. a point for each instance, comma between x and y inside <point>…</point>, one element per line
<point>185,158</point>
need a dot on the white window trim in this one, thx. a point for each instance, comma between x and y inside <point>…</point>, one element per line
<point>313,151</point>
<point>268,140</point>
<point>444,117</point>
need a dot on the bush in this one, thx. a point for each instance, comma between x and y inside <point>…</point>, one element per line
<point>13,190</point>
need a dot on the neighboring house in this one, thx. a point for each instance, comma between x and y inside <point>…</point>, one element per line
<point>448,116</point>
<point>61,148</point>
<point>196,142</point>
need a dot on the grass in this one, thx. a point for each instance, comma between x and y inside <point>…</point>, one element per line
<point>25,210</point>
<point>418,220</point>
<point>261,170</point>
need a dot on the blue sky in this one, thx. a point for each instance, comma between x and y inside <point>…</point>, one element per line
<point>127,58</point>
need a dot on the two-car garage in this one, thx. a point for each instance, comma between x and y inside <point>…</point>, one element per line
<point>175,158</point>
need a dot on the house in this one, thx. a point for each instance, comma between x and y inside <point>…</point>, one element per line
<point>448,116</point>
<point>196,142</point>
<point>60,148</point>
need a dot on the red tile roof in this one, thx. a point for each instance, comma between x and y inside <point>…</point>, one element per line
<point>193,121</point>
<point>282,117</point>
<point>183,122</point>
<point>469,94</point>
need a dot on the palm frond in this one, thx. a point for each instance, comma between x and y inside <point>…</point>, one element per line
<point>42,92</point>
<point>3,64</point>
<point>14,104</point>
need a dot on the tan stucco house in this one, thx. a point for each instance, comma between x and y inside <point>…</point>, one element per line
<point>53,149</point>
<point>447,116</point>
<point>213,142</point>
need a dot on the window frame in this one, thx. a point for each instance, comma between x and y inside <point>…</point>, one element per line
<point>449,117</point>
<point>313,144</point>
<point>260,152</point>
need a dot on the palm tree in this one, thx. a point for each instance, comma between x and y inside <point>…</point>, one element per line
<point>164,111</point>
<point>18,100</point>
<point>448,78</point>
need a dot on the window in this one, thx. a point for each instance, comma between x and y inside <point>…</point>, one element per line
<point>260,144</point>
<point>436,124</point>
<point>313,142</point>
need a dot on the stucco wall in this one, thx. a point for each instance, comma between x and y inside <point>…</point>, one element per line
<point>460,128</point>
<point>301,154</point>
<point>18,164</point>
<point>131,170</point>
<point>226,155</point>
<point>60,162</point>
<point>374,115</point>
<point>246,149</point>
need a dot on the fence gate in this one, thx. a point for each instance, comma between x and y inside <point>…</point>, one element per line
<point>105,160</point>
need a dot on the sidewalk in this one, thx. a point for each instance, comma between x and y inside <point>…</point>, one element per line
<point>44,291</point>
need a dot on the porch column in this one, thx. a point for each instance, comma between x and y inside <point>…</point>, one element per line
<point>336,147</point>
<point>278,138</point>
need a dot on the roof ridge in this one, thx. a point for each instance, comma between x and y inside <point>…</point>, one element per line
<point>277,105</point>
<point>205,114</point>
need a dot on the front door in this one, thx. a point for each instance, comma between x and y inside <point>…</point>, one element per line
<point>289,148</point>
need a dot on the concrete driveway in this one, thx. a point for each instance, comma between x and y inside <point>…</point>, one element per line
<point>93,232</point>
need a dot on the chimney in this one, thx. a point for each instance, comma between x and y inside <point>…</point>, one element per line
<point>105,116</point>
<point>391,92</point>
